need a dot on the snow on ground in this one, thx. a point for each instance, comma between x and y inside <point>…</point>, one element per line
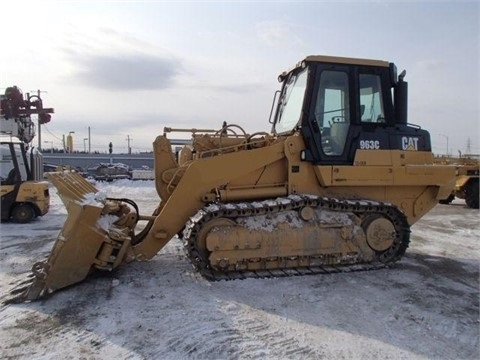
<point>427,306</point>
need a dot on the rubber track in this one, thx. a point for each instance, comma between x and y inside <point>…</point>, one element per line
<point>360,208</point>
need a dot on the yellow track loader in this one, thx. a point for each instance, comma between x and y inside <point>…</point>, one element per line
<point>335,186</point>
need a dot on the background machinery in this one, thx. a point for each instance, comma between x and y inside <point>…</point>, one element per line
<point>23,195</point>
<point>335,186</point>
<point>467,179</point>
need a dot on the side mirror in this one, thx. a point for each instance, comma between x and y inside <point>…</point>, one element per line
<point>393,74</point>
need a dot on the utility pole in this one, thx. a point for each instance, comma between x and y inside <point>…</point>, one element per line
<point>446,137</point>
<point>128,142</point>
<point>39,124</point>
<point>35,106</point>
<point>89,142</point>
<point>469,147</point>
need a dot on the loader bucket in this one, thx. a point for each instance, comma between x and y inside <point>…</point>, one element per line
<point>89,240</point>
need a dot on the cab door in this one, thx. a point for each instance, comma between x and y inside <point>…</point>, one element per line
<point>331,126</point>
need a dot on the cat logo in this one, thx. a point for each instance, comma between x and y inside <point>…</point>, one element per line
<point>409,143</point>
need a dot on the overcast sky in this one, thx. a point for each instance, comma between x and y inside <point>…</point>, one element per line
<point>131,68</point>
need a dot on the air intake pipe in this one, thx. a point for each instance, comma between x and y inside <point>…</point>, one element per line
<point>401,99</point>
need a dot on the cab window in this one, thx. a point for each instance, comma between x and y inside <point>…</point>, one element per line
<point>371,103</point>
<point>332,111</point>
<point>291,102</point>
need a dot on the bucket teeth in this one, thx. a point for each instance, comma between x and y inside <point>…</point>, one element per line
<point>32,287</point>
<point>23,291</point>
<point>28,281</point>
<point>71,186</point>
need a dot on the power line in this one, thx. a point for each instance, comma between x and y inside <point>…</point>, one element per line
<point>56,137</point>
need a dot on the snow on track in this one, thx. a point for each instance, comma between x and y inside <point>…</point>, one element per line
<point>427,306</point>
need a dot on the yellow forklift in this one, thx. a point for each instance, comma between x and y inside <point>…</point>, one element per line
<point>24,194</point>
<point>23,198</point>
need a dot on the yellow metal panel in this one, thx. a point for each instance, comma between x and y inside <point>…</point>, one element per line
<point>362,175</point>
<point>76,247</point>
<point>345,60</point>
<point>324,175</point>
<point>5,189</point>
<point>339,60</point>
<point>32,191</point>
<point>301,175</point>
<point>461,181</point>
<point>200,177</point>
<point>373,158</point>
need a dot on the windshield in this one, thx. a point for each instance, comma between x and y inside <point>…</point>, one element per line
<point>8,173</point>
<point>291,102</point>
